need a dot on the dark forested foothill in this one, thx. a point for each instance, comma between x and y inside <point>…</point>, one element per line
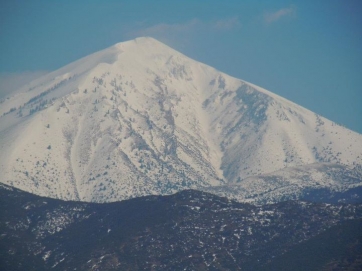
<point>190,230</point>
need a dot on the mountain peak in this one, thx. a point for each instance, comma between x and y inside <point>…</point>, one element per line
<point>140,118</point>
<point>141,40</point>
<point>148,40</point>
<point>144,45</point>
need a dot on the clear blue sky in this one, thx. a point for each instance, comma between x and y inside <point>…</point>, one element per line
<point>305,50</point>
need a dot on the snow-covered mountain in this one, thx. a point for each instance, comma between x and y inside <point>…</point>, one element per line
<point>140,118</point>
<point>320,182</point>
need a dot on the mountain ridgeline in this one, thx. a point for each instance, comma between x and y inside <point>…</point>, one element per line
<point>190,230</point>
<point>140,118</point>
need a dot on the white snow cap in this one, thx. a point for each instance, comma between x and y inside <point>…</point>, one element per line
<point>140,118</point>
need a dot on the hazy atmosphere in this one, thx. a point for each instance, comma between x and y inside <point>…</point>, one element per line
<point>307,51</point>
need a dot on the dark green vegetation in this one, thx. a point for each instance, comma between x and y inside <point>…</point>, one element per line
<point>190,230</point>
<point>338,248</point>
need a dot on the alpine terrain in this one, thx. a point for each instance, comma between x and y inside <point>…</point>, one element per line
<point>140,118</point>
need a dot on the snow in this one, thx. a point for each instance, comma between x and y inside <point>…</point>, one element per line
<point>140,118</point>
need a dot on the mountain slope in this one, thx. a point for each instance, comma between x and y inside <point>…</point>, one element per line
<point>338,248</point>
<point>318,182</point>
<point>190,230</point>
<point>140,118</point>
